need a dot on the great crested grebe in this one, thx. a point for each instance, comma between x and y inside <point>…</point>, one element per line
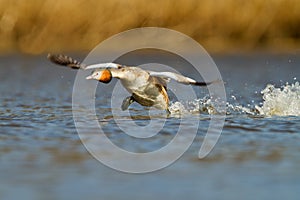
<point>148,88</point>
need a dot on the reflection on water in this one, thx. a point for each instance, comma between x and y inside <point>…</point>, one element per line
<point>42,156</point>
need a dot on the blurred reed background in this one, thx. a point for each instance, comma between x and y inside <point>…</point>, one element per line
<point>38,26</point>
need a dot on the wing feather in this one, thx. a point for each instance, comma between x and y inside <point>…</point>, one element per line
<point>64,60</point>
<point>179,78</point>
<point>68,61</point>
<point>103,65</point>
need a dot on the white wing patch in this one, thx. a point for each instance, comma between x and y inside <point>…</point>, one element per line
<point>177,77</point>
<point>103,65</point>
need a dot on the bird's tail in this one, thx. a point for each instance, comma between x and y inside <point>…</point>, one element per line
<point>65,61</point>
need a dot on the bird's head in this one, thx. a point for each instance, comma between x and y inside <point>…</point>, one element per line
<point>103,76</point>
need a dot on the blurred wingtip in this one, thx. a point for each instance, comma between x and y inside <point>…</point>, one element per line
<point>64,60</point>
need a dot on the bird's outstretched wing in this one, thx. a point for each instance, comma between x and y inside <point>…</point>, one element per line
<point>179,78</point>
<point>74,64</point>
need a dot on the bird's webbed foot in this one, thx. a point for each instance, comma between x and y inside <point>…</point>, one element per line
<point>127,102</point>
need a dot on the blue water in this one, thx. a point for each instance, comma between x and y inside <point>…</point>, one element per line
<point>42,157</point>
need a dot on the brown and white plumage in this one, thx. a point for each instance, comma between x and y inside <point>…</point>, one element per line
<point>148,88</point>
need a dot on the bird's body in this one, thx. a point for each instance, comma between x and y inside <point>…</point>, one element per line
<point>147,88</point>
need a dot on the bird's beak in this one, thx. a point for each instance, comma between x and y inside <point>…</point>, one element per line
<point>89,77</point>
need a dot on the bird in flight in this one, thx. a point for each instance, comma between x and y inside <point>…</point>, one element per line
<point>148,88</point>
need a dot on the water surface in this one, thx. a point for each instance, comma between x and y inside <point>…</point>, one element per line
<point>257,155</point>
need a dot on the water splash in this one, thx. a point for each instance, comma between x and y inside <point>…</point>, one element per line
<point>204,106</point>
<point>239,109</point>
<point>283,101</point>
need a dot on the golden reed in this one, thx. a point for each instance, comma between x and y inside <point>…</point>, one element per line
<point>37,26</point>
